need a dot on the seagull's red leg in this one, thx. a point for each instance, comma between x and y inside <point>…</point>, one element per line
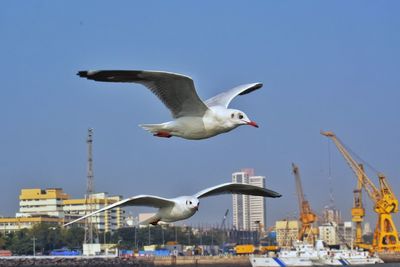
<point>163,134</point>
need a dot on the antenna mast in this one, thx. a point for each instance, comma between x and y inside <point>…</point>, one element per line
<point>89,200</point>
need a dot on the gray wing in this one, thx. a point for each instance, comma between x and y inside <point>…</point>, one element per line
<point>237,188</point>
<point>141,200</point>
<point>176,91</point>
<point>223,99</point>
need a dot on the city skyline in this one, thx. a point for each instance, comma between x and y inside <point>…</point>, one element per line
<point>324,66</point>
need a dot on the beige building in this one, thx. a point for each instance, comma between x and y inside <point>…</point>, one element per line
<point>52,205</point>
<point>287,232</point>
<point>328,232</point>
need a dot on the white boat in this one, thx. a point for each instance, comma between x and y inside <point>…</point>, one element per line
<point>349,257</point>
<point>308,255</point>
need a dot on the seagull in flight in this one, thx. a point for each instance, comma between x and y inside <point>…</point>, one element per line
<point>193,118</point>
<point>183,207</point>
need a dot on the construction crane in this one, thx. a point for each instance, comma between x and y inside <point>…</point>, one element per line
<point>223,223</point>
<point>307,216</point>
<point>385,202</point>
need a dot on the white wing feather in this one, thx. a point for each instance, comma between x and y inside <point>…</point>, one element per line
<point>223,99</point>
<point>141,200</point>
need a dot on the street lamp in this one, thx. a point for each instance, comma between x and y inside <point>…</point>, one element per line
<point>53,228</point>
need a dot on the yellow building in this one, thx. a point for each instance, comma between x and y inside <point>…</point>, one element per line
<point>105,221</point>
<point>287,232</point>
<point>52,205</point>
<point>39,202</point>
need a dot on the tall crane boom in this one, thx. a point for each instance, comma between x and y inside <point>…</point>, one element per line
<point>385,202</point>
<point>223,225</point>
<point>307,217</point>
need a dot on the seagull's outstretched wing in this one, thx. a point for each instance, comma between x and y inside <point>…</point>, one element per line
<point>141,200</point>
<point>176,91</point>
<point>237,188</point>
<point>223,99</point>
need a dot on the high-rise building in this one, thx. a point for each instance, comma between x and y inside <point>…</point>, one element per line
<point>331,214</point>
<point>257,205</point>
<point>240,205</point>
<point>248,211</point>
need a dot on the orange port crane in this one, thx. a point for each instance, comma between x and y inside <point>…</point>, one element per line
<point>307,216</point>
<point>385,202</point>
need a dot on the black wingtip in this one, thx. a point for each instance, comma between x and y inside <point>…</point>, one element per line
<point>82,73</point>
<point>257,86</point>
<point>251,89</point>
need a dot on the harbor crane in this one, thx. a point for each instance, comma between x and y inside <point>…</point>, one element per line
<point>307,216</point>
<point>358,211</point>
<point>385,202</point>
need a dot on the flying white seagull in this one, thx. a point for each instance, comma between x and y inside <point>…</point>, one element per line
<point>193,118</point>
<point>183,207</point>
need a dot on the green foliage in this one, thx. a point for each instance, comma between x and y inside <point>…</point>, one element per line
<point>73,237</point>
<point>47,237</point>
<point>3,240</point>
<point>20,242</point>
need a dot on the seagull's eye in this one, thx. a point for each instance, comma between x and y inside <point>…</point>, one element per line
<point>190,202</point>
<point>240,116</point>
<point>232,115</point>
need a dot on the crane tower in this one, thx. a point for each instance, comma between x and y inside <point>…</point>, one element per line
<point>307,216</point>
<point>385,202</point>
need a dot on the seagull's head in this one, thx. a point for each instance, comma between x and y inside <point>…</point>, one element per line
<point>192,204</point>
<point>238,117</point>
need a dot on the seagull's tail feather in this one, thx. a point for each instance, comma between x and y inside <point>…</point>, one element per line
<point>153,128</point>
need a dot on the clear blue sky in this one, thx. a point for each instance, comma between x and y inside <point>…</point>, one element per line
<point>325,65</point>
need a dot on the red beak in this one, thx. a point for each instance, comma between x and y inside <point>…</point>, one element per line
<point>252,123</point>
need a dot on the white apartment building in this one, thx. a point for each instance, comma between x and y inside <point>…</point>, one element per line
<point>248,211</point>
